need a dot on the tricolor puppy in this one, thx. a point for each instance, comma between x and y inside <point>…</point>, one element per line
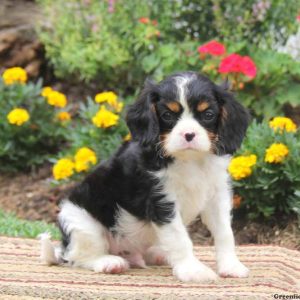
<point>133,210</point>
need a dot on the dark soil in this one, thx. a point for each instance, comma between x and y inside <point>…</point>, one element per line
<point>33,197</point>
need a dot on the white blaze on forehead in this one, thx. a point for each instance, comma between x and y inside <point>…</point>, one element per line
<point>182,82</point>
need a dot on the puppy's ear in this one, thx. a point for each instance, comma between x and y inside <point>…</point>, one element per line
<point>142,118</point>
<point>233,122</point>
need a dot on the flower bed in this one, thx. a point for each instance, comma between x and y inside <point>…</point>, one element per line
<point>40,125</point>
<point>266,170</point>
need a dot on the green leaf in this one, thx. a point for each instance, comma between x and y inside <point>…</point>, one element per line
<point>290,94</point>
<point>167,50</point>
<point>150,62</point>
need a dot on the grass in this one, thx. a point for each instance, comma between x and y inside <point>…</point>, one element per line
<point>10,225</point>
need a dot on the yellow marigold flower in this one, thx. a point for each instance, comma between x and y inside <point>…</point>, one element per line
<point>18,116</point>
<point>83,158</point>
<point>276,153</point>
<point>46,91</point>
<point>109,97</point>
<point>127,137</point>
<point>282,123</point>
<point>105,118</point>
<point>57,99</point>
<point>64,168</point>
<point>14,75</point>
<point>240,166</point>
<point>118,106</point>
<point>63,116</point>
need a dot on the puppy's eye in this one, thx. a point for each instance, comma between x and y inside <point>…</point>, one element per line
<point>208,115</point>
<point>167,116</point>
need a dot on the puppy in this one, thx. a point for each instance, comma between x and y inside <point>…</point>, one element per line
<point>133,210</point>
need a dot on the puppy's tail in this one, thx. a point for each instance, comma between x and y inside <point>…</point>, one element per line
<point>50,255</point>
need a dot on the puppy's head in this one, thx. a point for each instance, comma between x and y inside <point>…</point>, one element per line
<point>186,115</point>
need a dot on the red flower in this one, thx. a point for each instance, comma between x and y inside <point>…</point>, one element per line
<point>235,63</point>
<point>298,18</point>
<point>230,64</point>
<point>248,67</point>
<point>213,48</point>
<point>144,20</point>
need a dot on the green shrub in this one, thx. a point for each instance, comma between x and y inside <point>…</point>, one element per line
<point>30,129</point>
<point>126,42</point>
<point>268,180</point>
<point>263,23</point>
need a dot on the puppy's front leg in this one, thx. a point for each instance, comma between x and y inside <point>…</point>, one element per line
<point>218,220</point>
<point>174,240</point>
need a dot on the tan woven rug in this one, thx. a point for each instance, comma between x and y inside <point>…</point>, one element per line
<point>274,270</point>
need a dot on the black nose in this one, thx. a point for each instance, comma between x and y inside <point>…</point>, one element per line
<point>189,136</point>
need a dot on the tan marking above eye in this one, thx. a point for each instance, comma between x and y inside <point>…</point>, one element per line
<point>202,106</point>
<point>174,106</point>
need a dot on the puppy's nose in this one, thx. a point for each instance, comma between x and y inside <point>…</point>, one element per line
<point>189,136</point>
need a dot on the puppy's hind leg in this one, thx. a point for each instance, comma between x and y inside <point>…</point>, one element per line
<point>88,246</point>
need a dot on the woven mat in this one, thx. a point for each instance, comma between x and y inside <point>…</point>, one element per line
<point>274,270</point>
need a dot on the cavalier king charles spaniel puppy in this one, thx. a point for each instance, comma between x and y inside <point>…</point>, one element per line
<point>134,209</point>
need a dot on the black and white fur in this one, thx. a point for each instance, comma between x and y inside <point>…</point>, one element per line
<point>133,210</point>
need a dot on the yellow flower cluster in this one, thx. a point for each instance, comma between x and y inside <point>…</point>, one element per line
<point>14,75</point>
<point>240,167</point>
<point>111,99</point>
<point>64,168</point>
<point>63,116</point>
<point>83,158</point>
<point>53,97</point>
<point>276,153</point>
<point>105,118</point>
<point>18,116</point>
<point>282,123</point>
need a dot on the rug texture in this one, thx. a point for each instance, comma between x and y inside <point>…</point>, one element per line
<point>274,271</point>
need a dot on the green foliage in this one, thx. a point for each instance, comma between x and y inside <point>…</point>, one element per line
<point>28,145</point>
<point>264,23</point>
<point>91,40</point>
<point>272,189</point>
<point>277,83</point>
<point>10,225</point>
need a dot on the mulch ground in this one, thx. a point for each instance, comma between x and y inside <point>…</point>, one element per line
<point>32,196</point>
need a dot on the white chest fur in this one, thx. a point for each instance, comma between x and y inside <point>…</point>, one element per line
<point>192,184</point>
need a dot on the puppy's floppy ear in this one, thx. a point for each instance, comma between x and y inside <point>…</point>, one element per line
<point>233,121</point>
<point>142,118</point>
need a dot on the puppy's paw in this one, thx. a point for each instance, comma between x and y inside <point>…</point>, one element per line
<point>233,268</point>
<point>155,256</point>
<point>193,270</point>
<point>110,264</point>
